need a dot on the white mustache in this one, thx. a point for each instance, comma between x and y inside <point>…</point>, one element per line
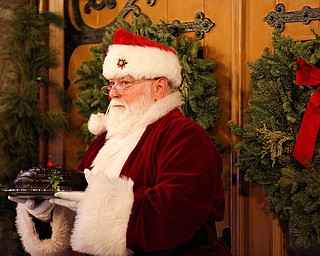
<point>116,102</point>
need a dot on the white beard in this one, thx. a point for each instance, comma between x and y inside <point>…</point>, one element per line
<point>124,131</point>
<point>120,120</point>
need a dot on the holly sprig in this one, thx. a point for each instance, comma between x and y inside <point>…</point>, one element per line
<point>55,180</point>
<point>56,177</point>
<point>3,187</point>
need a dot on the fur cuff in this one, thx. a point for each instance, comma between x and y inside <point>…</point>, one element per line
<point>96,123</point>
<point>62,222</point>
<point>102,217</point>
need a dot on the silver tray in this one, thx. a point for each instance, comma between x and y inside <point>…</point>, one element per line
<point>32,193</point>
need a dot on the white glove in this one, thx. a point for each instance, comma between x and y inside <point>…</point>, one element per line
<point>70,199</point>
<point>67,199</point>
<point>42,210</point>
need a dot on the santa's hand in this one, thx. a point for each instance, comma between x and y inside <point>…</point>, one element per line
<point>42,210</point>
<point>67,199</point>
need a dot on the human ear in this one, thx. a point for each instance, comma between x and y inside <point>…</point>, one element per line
<point>160,88</point>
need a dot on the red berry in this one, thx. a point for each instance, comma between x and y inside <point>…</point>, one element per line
<point>50,164</point>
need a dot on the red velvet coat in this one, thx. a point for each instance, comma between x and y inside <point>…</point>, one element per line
<point>176,169</point>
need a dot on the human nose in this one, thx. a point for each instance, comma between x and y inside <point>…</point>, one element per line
<point>114,92</point>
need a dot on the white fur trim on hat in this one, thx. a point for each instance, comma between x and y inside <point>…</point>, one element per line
<point>141,58</point>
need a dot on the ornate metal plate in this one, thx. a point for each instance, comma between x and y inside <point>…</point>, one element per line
<point>279,17</point>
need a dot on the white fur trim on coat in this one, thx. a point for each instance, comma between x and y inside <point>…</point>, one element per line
<point>142,62</point>
<point>58,245</point>
<point>160,108</point>
<point>102,217</point>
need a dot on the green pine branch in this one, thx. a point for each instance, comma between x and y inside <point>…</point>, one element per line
<point>22,120</point>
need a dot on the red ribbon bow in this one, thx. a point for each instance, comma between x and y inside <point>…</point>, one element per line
<point>308,75</point>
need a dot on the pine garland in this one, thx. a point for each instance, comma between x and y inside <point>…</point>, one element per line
<point>22,120</point>
<point>198,87</point>
<point>268,136</point>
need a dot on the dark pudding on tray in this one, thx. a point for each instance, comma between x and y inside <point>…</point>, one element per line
<point>50,178</point>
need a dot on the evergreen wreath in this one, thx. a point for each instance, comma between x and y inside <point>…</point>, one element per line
<point>268,136</point>
<point>198,87</point>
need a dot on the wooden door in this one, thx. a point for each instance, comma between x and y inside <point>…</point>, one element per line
<point>239,35</point>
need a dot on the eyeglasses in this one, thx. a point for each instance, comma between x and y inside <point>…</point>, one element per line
<point>120,87</point>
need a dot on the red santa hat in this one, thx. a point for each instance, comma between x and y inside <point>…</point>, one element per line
<point>141,58</point>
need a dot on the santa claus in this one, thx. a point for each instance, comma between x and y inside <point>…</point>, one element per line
<point>154,176</point>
